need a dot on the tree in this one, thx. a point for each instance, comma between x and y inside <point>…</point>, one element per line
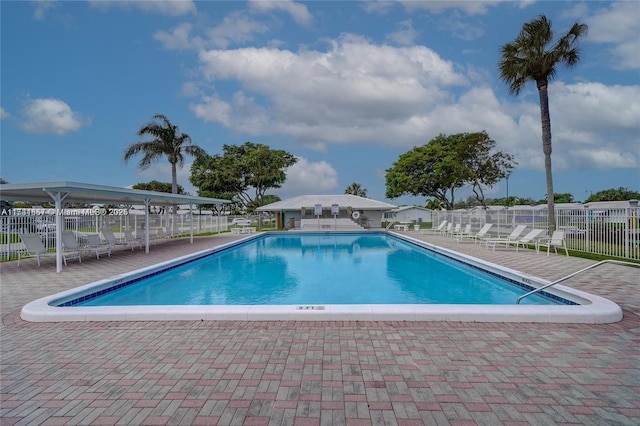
<point>484,169</point>
<point>154,185</point>
<point>246,171</point>
<point>356,189</point>
<point>619,194</point>
<point>166,140</point>
<point>559,198</point>
<point>433,204</point>
<point>512,201</point>
<point>445,164</point>
<point>267,199</point>
<point>531,57</point>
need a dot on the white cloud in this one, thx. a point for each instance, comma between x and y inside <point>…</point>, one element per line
<point>306,177</point>
<point>164,7</point>
<point>476,7</point>
<point>235,28</point>
<point>406,35</point>
<point>348,93</point>
<point>298,11</point>
<point>379,7</point>
<point>619,26</point>
<point>178,39</point>
<point>41,7</point>
<point>605,159</point>
<point>456,25</point>
<point>4,114</point>
<point>359,92</point>
<point>51,116</point>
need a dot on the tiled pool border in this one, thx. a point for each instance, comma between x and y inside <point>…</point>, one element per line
<point>587,308</point>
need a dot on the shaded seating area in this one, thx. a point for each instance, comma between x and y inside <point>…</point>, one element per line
<point>62,195</point>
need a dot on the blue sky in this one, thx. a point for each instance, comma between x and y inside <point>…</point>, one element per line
<point>345,86</point>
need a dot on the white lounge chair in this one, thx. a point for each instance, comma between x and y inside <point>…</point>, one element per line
<point>512,237</point>
<point>466,232</point>
<point>452,231</point>
<point>556,241</point>
<point>531,237</point>
<point>131,239</point>
<point>111,239</point>
<point>95,245</point>
<point>447,229</point>
<point>34,247</point>
<point>434,229</point>
<point>482,233</point>
<point>72,248</point>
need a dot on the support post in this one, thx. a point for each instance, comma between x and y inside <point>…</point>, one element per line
<point>147,203</point>
<point>191,221</point>
<point>58,197</point>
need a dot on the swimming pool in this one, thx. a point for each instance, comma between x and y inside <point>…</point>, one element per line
<point>315,276</point>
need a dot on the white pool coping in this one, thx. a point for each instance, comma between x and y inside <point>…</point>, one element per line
<point>592,309</point>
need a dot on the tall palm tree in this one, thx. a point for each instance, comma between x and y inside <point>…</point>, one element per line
<point>356,189</point>
<point>166,140</point>
<point>533,57</point>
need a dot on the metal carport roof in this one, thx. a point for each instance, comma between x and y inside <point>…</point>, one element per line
<point>98,194</point>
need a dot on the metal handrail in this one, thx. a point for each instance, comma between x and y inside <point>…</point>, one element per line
<point>618,262</point>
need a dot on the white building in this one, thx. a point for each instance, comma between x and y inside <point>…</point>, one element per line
<point>344,211</point>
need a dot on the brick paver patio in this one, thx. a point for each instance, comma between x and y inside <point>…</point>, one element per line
<point>317,373</point>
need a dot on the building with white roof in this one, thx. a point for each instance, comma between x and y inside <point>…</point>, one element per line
<point>344,211</point>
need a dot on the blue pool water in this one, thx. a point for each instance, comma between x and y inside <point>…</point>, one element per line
<point>312,269</point>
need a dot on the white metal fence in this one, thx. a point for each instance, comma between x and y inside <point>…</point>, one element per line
<point>604,231</point>
<point>608,232</point>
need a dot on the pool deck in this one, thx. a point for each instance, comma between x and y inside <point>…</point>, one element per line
<point>317,373</point>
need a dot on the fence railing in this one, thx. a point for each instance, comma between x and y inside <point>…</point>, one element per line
<point>608,232</point>
<point>168,225</point>
<point>611,232</point>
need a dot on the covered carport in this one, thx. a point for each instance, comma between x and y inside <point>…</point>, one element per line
<point>65,193</point>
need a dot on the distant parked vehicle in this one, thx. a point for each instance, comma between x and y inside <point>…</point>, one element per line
<point>241,221</point>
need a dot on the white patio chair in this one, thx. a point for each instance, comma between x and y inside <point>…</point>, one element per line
<point>447,229</point>
<point>95,245</point>
<point>111,239</point>
<point>131,239</point>
<point>434,229</point>
<point>531,237</point>
<point>482,233</point>
<point>34,247</point>
<point>466,232</point>
<point>556,241</point>
<point>71,247</point>
<point>456,229</point>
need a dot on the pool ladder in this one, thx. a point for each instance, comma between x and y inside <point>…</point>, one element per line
<point>617,262</point>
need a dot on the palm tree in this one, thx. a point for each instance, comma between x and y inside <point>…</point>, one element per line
<point>356,189</point>
<point>166,139</point>
<point>532,57</point>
